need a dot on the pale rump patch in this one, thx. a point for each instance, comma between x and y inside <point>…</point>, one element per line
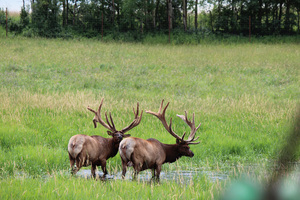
<point>126,148</point>
<point>75,146</point>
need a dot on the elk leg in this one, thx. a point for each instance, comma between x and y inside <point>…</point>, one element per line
<point>93,171</point>
<point>103,167</point>
<point>77,168</point>
<point>124,168</point>
<point>137,169</point>
<point>153,173</point>
<point>79,163</point>
<point>158,169</point>
<point>135,174</point>
<point>72,162</point>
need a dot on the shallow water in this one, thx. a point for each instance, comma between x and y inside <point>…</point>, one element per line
<point>185,176</point>
<point>181,176</point>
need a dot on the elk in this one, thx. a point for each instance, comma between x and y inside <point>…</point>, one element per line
<point>94,150</point>
<point>151,153</point>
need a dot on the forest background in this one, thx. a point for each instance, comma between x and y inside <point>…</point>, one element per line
<point>135,20</point>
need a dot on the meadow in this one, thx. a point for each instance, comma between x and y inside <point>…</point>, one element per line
<point>244,95</point>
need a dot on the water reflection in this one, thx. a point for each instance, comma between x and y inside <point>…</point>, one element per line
<point>181,176</point>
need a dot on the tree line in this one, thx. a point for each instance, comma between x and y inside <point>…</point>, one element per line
<point>90,18</point>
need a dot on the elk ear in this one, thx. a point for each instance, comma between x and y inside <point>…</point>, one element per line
<point>109,133</point>
<point>180,142</point>
<point>126,135</point>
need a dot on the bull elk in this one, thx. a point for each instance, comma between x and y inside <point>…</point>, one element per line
<point>151,153</point>
<point>94,150</point>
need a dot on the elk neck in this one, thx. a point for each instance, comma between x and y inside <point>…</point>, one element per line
<point>111,148</point>
<point>114,146</point>
<point>172,152</point>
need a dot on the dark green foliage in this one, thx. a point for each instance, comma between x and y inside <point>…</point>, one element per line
<point>45,14</point>
<point>24,18</point>
<point>13,25</point>
<point>133,20</point>
<point>2,18</point>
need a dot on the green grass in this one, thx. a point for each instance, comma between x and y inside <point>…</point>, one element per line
<point>245,96</point>
<point>60,186</point>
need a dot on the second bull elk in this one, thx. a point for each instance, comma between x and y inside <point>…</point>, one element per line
<point>151,153</point>
<point>94,150</point>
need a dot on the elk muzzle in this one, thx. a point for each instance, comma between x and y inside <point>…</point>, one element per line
<point>191,154</point>
<point>118,137</point>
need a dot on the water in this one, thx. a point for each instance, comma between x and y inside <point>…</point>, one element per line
<point>185,176</point>
<point>180,176</point>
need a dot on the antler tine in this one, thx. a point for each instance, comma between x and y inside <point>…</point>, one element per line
<point>112,121</point>
<point>99,119</point>
<point>172,132</point>
<point>194,142</point>
<point>198,127</point>
<point>136,120</point>
<point>95,118</point>
<point>192,125</point>
<point>110,124</point>
<point>195,129</point>
<point>161,105</point>
<point>191,137</point>
<point>183,136</point>
<point>91,110</point>
<point>98,111</point>
<point>137,110</point>
<point>161,116</point>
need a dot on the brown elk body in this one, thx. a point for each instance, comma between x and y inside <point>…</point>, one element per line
<point>94,150</point>
<point>151,153</point>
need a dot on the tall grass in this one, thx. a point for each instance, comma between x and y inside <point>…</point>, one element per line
<point>60,186</point>
<point>245,96</point>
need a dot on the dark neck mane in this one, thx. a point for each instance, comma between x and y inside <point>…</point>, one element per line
<point>172,153</point>
<point>114,148</point>
<point>110,144</point>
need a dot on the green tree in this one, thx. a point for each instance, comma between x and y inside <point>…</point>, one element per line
<point>24,18</point>
<point>45,18</point>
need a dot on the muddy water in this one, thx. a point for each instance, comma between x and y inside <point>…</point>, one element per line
<point>181,176</point>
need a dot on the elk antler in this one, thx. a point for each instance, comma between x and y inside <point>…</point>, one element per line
<point>161,116</point>
<point>110,124</point>
<point>191,137</point>
<point>135,122</point>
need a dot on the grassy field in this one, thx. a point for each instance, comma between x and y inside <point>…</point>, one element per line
<point>245,96</point>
